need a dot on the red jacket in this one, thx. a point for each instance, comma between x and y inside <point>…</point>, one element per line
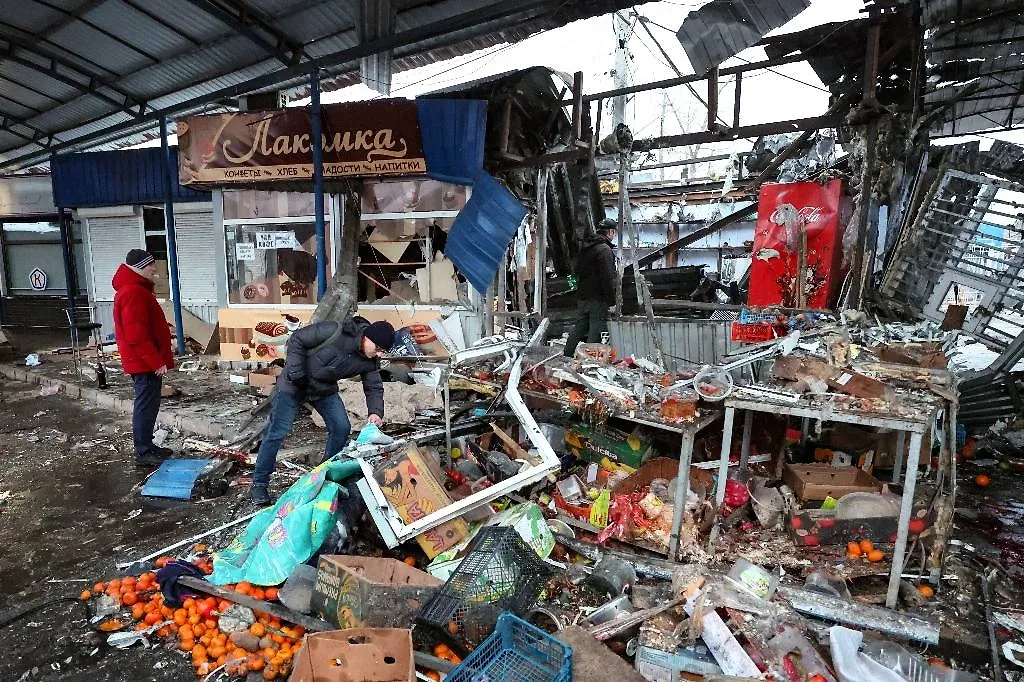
<point>139,324</point>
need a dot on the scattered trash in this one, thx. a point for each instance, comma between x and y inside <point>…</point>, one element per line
<point>32,360</point>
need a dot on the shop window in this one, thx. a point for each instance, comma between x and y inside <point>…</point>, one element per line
<point>270,240</point>
<point>405,228</point>
<point>156,244</point>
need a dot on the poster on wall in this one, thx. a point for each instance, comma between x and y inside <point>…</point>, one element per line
<point>360,139</point>
<point>276,240</point>
<point>245,251</point>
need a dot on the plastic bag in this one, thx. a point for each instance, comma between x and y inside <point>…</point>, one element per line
<point>853,666</point>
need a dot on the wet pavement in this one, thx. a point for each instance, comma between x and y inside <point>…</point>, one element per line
<point>72,510</point>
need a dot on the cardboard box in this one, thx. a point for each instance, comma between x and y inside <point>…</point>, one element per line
<point>365,655</point>
<point>662,467</point>
<point>413,490</point>
<point>818,481</point>
<point>264,380</point>
<point>593,446</point>
<point>355,591</point>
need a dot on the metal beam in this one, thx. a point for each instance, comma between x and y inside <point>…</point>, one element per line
<point>692,78</point>
<point>163,22</point>
<point>36,40</point>
<point>524,11</point>
<point>94,81</point>
<point>697,235</point>
<point>76,15</point>
<point>707,136</point>
<point>253,25</point>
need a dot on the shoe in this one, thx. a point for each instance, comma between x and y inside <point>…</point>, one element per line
<point>259,495</point>
<point>150,458</point>
<point>162,452</point>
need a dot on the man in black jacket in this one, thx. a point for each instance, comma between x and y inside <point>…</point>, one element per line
<point>595,287</point>
<point>318,356</point>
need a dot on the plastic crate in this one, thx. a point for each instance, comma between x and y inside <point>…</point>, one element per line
<point>516,652</point>
<point>752,333</point>
<point>500,573</point>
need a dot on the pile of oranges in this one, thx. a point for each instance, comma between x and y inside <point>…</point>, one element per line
<point>267,647</point>
<point>854,550</point>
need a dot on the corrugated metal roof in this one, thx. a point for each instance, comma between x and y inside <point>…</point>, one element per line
<point>165,56</point>
<point>724,28</point>
<point>975,52</point>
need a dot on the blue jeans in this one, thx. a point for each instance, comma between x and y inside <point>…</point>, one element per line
<point>144,410</point>
<point>282,416</point>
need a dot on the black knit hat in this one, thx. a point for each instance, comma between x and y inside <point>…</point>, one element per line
<point>137,258</point>
<point>382,334</point>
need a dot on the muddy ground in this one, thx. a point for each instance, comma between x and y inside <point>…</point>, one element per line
<point>73,511</point>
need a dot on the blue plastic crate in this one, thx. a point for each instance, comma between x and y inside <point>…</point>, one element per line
<point>516,652</point>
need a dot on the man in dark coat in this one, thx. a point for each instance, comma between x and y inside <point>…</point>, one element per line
<point>144,342</point>
<point>318,356</point>
<point>595,287</point>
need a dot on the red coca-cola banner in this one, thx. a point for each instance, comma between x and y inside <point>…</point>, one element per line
<point>798,223</point>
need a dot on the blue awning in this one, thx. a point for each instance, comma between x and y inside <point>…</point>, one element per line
<point>483,230</point>
<point>454,132</point>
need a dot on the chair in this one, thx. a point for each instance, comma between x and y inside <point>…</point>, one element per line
<point>85,332</point>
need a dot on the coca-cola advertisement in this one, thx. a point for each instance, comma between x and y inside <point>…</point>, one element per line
<point>797,245</point>
<point>360,139</point>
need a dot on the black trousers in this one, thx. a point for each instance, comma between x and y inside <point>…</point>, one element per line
<point>591,320</point>
<point>144,410</point>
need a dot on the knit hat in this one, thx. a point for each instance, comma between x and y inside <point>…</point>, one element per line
<point>382,334</point>
<point>137,258</point>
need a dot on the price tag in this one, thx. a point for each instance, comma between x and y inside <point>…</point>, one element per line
<point>245,251</point>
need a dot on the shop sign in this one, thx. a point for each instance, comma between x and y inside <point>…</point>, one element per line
<point>38,279</point>
<point>245,251</point>
<point>360,139</point>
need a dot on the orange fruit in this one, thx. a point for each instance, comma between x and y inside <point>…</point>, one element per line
<point>138,612</point>
<point>86,594</point>
<point>189,604</point>
<point>162,561</point>
<point>433,675</point>
<point>982,480</point>
<point>410,561</point>
<point>243,588</point>
<point>186,645</point>
<point>270,672</point>
<point>180,616</point>
<point>129,580</point>
<point>255,663</point>
<point>114,584</point>
<point>163,632</point>
<point>140,626</point>
<point>130,598</point>
<point>210,623</point>
<point>926,591</point>
<point>876,555</point>
<point>99,587</point>
<point>853,556</point>
<point>152,618</point>
<point>852,548</point>
<point>258,629</point>
<point>270,593</point>
<point>866,546</point>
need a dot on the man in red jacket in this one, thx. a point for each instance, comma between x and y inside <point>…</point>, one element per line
<point>144,342</point>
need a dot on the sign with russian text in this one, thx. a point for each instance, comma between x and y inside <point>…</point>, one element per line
<point>360,139</point>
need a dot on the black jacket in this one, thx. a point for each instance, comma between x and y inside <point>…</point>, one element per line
<point>315,373</point>
<point>595,271</point>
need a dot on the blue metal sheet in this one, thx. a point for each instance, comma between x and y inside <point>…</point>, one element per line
<point>118,178</point>
<point>483,230</point>
<point>453,132</point>
<point>175,478</point>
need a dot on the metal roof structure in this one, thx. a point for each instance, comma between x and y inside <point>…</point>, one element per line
<point>975,54</point>
<point>75,74</point>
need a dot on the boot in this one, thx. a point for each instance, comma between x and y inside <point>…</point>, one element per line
<point>260,496</point>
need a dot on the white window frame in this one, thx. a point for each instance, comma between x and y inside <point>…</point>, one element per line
<point>331,221</point>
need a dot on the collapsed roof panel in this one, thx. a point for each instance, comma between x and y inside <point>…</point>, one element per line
<point>724,28</point>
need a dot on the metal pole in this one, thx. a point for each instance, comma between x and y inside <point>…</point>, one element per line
<point>902,530</point>
<point>67,247</point>
<point>318,185</point>
<point>172,244</point>
<point>682,492</point>
<point>748,427</point>
<point>540,254</point>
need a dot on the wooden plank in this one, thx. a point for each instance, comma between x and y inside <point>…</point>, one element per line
<point>279,610</point>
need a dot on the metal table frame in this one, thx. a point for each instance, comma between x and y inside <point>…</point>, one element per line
<point>688,431</point>
<point>915,427</point>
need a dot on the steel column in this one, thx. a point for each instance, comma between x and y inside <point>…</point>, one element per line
<point>67,241</point>
<point>902,531</point>
<point>682,492</point>
<point>318,185</point>
<point>172,243</point>
<point>723,463</point>
<point>748,427</point>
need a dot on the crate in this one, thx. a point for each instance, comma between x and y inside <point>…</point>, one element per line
<point>752,333</point>
<point>501,572</point>
<point>516,652</point>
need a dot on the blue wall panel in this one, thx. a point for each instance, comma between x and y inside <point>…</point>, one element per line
<point>118,178</point>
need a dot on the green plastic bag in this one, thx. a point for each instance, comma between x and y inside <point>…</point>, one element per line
<point>281,537</point>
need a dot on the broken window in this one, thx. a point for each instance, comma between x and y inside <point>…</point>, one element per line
<point>270,240</point>
<point>405,227</point>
